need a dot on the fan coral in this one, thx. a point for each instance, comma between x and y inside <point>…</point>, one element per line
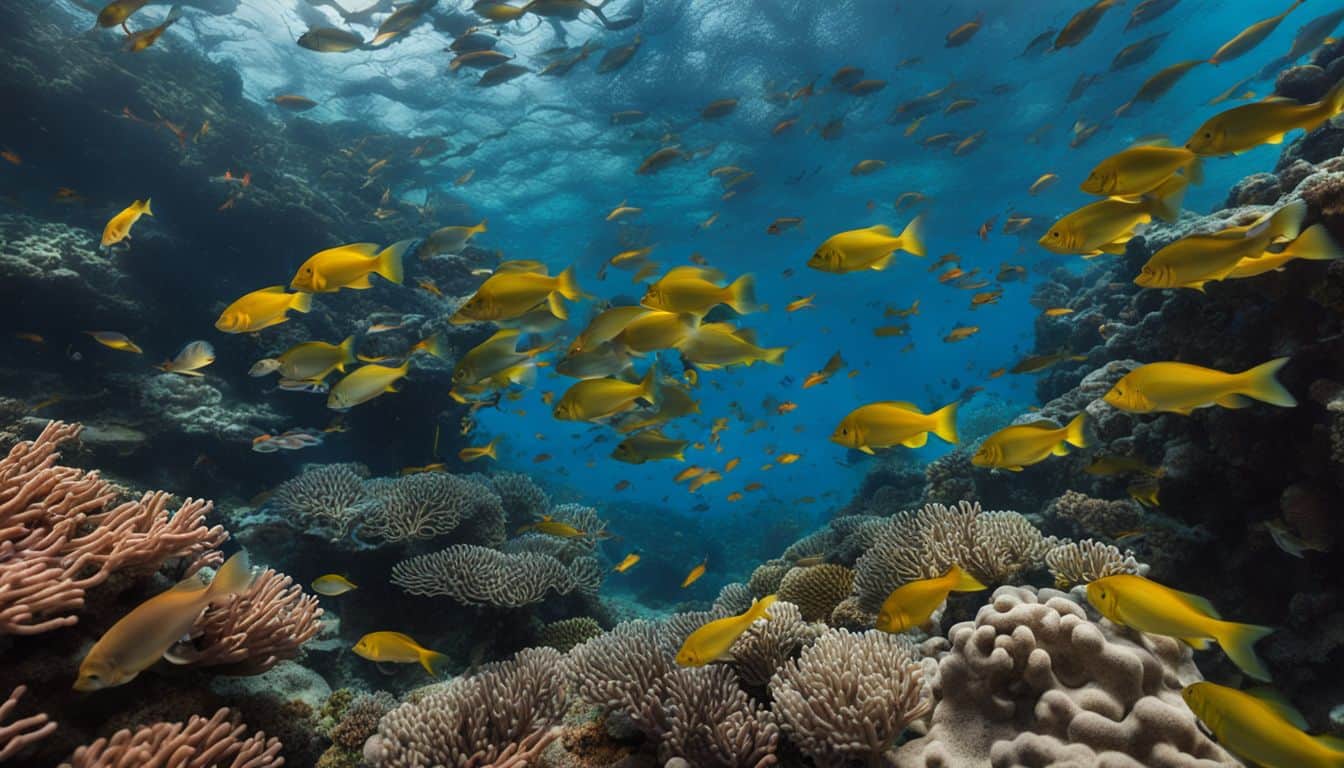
<point>712,724</point>
<point>523,500</point>
<point>1080,562</point>
<point>816,590</point>
<point>992,546</point>
<point>429,505</point>
<point>254,631</point>
<point>850,696</point>
<point>1032,681</point>
<point>565,634</point>
<point>199,743</point>
<point>502,716</point>
<point>766,645</point>
<point>323,499</point>
<point>17,735</point>
<point>475,575</point>
<point>59,539</point>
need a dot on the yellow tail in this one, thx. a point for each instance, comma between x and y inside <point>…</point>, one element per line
<point>1165,202</point>
<point>302,302</point>
<point>1238,642</point>
<point>1315,244</point>
<point>1261,384</point>
<point>389,261</point>
<point>478,229</point>
<point>435,663</point>
<point>347,353</point>
<point>1331,105</point>
<point>963,581</point>
<point>775,355</point>
<point>758,609</point>
<point>742,295</point>
<point>945,422</point>
<point>1195,171</point>
<point>1284,224</point>
<point>911,238</point>
<point>144,208</point>
<point>565,284</point>
<point>232,578</point>
<point>648,387</point>
<point>1074,433</point>
<point>490,449</point>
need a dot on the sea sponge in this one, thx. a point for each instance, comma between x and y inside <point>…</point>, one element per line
<point>850,696</point>
<point>1033,681</point>
<point>565,634</point>
<point>475,575</point>
<point>816,590</point>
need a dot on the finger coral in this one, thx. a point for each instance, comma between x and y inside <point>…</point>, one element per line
<point>475,575</point>
<point>17,735</point>
<point>254,631</point>
<point>1033,681</point>
<point>502,717</point>
<point>58,538</point>
<point>766,645</point>
<point>850,696</point>
<point>217,742</point>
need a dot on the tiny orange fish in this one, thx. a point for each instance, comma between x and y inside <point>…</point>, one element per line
<point>788,406</point>
<point>621,486</point>
<point>540,457</point>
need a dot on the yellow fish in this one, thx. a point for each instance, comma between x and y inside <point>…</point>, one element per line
<point>143,636</point>
<point>605,327</point>
<point>1250,37</point>
<point>1315,244</point>
<point>552,527</point>
<point>1135,602</point>
<point>593,399</point>
<point>114,13</point>
<point>695,290</point>
<point>1057,312</point>
<point>884,424</point>
<point>871,248</point>
<point>1181,388</point>
<point>1140,170</point>
<point>262,309</point>
<point>716,345</point>
<point>142,39</point>
<point>788,458</point>
<point>396,648</point>
<point>688,473</point>
<point>316,359</point>
<point>650,445</point>
<point>495,354</point>
<point>1013,448</point>
<point>119,227</point>
<point>622,211</point>
<point>349,266</point>
<point>1107,225</point>
<point>364,384</point>
<point>865,167</point>
<point>627,563</point>
<point>117,341</point>
<point>332,584</point>
<point>452,240</point>
<point>800,303</point>
<point>1261,728</point>
<point>1144,491</point>
<point>709,476</point>
<point>695,573</point>
<point>474,452</point>
<point>912,603</point>
<point>508,294</point>
<point>654,330</point>
<point>713,641</point>
<point>961,333</point>
<point>191,359</point>
<point>1043,183</point>
<point>1104,466</point>
<point>1263,122</point>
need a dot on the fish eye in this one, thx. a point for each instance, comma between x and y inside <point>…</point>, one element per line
<point>1208,134</point>
<point>1055,233</point>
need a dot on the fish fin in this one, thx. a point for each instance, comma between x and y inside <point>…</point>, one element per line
<point>775,355</point>
<point>1013,469</point>
<point>360,283</point>
<point>1233,401</point>
<point>435,663</point>
<point>911,240</point>
<point>1195,171</point>
<point>181,654</point>
<point>556,305</point>
<point>945,422</point>
<point>883,262</point>
<point>1238,641</point>
<point>917,441</point>
<point>760,607</point>
<point>389,261</point>
<point>1332,743</point>
<point>880,229</point>
<point>144,207</point>
<point>966,582</point>
<point>902,404</point>
<point>1275,139</point>
<point>1117,247</point>
<point>648,387</point>
<point>1262,385</point>
<point>742,295</point>
<point>1198,643</point>
<point>233,577</point>
<point>1315,244</point>
<point>1075,433</point>
<point>867,450</point>
<point>1165,201</point>
<point>479,228</point>
<point>302,302</point>
<point>347,348</point>
<point>1060,449</point>
<point>566,286</point>
<point>1281,706</point>
<point>1283,225</point>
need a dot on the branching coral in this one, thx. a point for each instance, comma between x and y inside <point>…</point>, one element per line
<point>19,734</point>
<point>323,499</point>
<point>430,505</point>
<point>58,539</point>
<point>620,672</point>
<point>1080,562</point>
<point>850,696</point>
<point>1032,681</point>
<point>481,576</point>
<point>217,742</point>
<point>254,631</point>
<point>816,590</point>
<point>992,546</point>
<point>503,716</point>
<point>711,723</point>
<point>766,645</point>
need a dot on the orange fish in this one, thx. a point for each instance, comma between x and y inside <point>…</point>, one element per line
<point>987,227</point>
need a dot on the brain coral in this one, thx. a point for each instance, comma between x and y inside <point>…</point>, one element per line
<point>1033,681</point>
<point>323,499</point>
<point>565,634</point>
<point>816,590</point>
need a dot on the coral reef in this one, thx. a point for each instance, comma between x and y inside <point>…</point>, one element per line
<point>252,632</point>
<point>197,743</point>
<point>475,575</point>
<point>323,499</point>
<point>563,635</point>
<point>16,734</point>
<point>430,506</point>
<point>1079,562</point>
<point>817,589</point>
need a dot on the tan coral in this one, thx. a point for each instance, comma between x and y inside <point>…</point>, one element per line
<point>1081,562</point>
<point>199,743</point>
<point>816,590</point>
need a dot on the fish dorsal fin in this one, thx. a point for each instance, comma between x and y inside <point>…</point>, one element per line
<point>685,272</point>
<point>363,249</point>
<point>521,265</point>
<point>507,337</point>
<point>746,334</point>
<point>189,584</point>
<point>403,637</point>
<point>273,289</point>
<point>880,229</point>
<point>1155,141</point>
<point>1041,424</point>
<point>901,404</point>
<point>1275,701</point>
<point>918,441</point>
<point>1196,602</point>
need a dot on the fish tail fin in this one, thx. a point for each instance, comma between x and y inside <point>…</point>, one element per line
<point>479,228</point>
<point>347,352</point>
<point>233,577</point>
<point>1261,383</point>
<point>1284,224</point>
<point>174,14</point>
<point>1315,244</point>
<point>302,302</point>
<point>775,355</point>
<point>1074,433</point>
<point>435,663</point>
<point>911,238</point>
<point>742,295</point>
<point>1334,101</point>
<point>759,608</point>
<point>567,286</point>
<point>966,582</point>
<point>1166,201</point>
<point>648,386</point>
<point>144,208</point>
<point>1238,642</point>
<point>389,261</point>
<point>491,448</point>
<point>1195,171</point>
<point>945,422</point>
